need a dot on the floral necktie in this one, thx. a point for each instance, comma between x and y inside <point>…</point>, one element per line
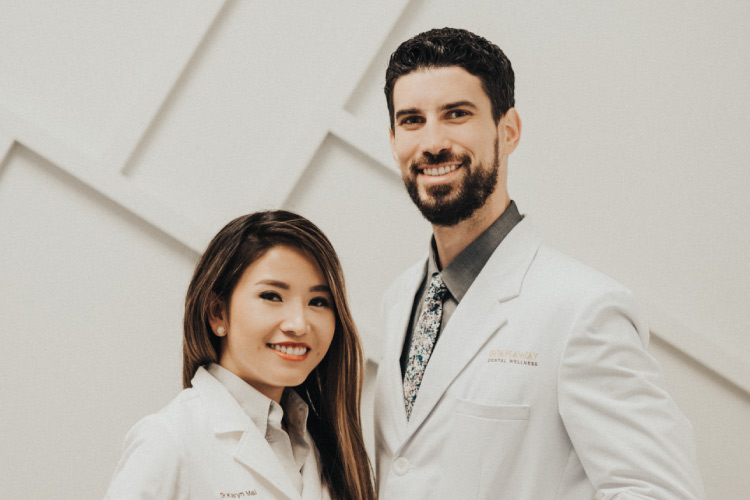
<point>423,341</point>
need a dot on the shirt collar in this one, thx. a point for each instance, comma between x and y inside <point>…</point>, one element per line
<point>261,409</point>
<point>296,411</point>
<point>296,418</point>
<point>463,270</point>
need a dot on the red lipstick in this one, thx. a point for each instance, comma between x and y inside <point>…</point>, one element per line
<point>290,351</point>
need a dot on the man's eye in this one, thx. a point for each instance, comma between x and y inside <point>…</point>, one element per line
<point>458,113</point>
<point>320,302</point>
<point>411,120</point>
<point>273,296</point>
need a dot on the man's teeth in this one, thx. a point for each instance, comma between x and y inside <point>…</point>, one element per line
<point>296,351</point>
<point>439,171</point>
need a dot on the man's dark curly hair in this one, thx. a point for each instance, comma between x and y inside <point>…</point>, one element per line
<point>443,47</point>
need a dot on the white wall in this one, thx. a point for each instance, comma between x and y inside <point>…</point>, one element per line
<point>130,132</point>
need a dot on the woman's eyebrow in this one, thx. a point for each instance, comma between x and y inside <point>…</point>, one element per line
<point>274,283</point>
<point>285,286</point>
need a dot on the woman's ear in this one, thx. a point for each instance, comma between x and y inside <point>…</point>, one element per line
<point>218,316</point>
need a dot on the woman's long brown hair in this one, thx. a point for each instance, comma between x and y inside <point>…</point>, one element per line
<point>333,389</point>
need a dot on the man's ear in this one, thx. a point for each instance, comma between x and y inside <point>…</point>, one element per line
<point>509,130</point>
<point>218,316</point>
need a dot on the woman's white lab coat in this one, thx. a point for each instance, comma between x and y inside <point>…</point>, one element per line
<point>204,446</point>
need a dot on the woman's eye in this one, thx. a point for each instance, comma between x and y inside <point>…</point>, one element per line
<point>320,302</point>
<point>273,296</point>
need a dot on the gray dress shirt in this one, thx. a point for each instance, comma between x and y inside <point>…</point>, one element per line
<point>461,273</point>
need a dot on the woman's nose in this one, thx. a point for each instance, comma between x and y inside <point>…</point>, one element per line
<point>295,320</point>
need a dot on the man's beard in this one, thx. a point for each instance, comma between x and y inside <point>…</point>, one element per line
<point>471,194</point>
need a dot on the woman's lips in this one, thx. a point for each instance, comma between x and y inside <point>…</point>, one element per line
<point>291,351</point>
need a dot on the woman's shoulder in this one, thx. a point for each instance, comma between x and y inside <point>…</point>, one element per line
<point>179,414</point>
<point>171,419</point>
<point>196,412</point>
<point>154,455</point>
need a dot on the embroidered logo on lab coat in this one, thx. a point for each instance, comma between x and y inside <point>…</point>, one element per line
<point>239,494</point>
<point>513,357</point>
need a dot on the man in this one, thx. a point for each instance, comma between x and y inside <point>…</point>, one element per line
<point>510,371</point>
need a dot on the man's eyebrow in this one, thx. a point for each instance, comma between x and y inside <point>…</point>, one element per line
<point>408,111</point>
<point>458,104</point>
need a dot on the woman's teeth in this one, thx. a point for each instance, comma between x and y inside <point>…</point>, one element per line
<point>440,170</point>
<point>296,351</point>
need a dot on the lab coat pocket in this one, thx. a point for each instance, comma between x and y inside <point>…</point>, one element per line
<point>492,412</point>
<point>477,448</point>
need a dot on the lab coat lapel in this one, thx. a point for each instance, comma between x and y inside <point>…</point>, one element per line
<point>253,450</point>
<point>401,299</point>
<point>311,476</point>
<point>481,313</point>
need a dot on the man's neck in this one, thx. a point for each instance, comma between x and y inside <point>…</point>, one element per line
<point>452,240</point>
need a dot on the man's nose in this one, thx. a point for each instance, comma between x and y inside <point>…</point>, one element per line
<point>435,139</point>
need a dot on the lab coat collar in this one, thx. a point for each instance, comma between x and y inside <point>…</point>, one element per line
<point>226,413</point>
<point>255,404</point>
<point>227,416</point>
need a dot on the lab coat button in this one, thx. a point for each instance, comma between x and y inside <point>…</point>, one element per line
<point>401,466</point>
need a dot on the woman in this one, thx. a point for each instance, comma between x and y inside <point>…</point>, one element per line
<point>272,370</point>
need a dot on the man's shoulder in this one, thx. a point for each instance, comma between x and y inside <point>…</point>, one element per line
<point>560,265</point>
<point>543,264</point>
<point>558,278</point>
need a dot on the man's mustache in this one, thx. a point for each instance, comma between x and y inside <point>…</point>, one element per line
<point>441,157</point>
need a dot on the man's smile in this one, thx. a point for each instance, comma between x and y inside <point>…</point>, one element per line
<point>439,174</point>
<point>435,171</point>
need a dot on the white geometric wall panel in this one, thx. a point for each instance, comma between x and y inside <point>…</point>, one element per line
<point>131,132</point>
<point>719,412</point>
<point>92,74</point>
<point>91,302</point>
<point>254,106</point>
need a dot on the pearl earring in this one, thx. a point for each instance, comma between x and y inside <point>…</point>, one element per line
<point>220,331</point>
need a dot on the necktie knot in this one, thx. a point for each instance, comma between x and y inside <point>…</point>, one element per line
<point>437,289</point>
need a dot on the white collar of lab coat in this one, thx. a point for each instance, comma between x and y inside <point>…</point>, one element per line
<point>226,413</point>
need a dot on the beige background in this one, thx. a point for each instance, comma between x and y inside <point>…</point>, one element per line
<point>130,132</point>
